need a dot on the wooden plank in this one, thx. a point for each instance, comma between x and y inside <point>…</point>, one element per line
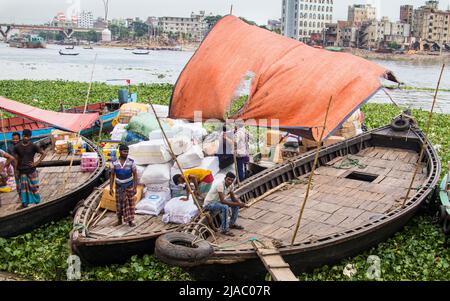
<point>274,263</point>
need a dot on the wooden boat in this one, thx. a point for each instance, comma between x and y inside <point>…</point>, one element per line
<point>104,242</point>
<point>40,130</point>
<point>68,53</point>
<point>57,199</point>
<point>355,203</point>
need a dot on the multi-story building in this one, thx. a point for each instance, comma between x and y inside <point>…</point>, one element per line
<point>342,34</point>
<point>303,18</point>
<point>407,14</point>
<point>85,19</point>
<point>359,13</point>
<point>376,34</point>
<point>194,27</point>
<point>274,25</point>
<point>61,20</point>
<point>432,24</point>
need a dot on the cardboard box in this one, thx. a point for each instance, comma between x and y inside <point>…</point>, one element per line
<point>109,202</point>
<point>61,135</point>
<point>333,140</point>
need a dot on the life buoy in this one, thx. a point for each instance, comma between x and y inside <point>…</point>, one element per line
<point>182,249</point>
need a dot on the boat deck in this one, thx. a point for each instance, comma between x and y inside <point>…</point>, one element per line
<point>51,182</point>
<point>336,203</point>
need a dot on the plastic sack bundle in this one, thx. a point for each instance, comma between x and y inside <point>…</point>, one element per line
<point>180,145</point>
<point>211,144</point>
<point>158,187</point>
<point>178,211</point>
<point>193,131</point>
<point>150,152</point>
<point>153,202</point>
<point>140,172</point>
<point>156,174</point>
<point>132,138</point>
<point>144,123</point>
<point>210,163</point>
<point>192,158</point>
<point>118,132</point>
<point>157,134</point>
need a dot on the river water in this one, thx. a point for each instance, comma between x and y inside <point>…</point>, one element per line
<point>165,67</point>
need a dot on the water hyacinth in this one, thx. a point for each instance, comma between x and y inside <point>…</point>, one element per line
<point>415,253</point>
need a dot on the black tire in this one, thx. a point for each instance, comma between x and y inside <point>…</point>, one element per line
<point>441,214</point>
<point>176,249</point>
<point>400,124</point>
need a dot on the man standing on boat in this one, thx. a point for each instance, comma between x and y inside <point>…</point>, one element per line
<point>124,176</point>
<point>27,176</point>
<point>217,201</point>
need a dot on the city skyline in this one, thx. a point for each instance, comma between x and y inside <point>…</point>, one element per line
<point>42,11</point>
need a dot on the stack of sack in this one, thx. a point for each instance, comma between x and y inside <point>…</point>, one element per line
<point>179,210</point>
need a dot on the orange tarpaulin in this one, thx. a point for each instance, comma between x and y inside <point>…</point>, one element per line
<point>65,121</point>
<point>292,82</point>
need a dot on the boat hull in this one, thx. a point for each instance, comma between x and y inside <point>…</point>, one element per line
<point>305,256</point>
<point>26,220</point>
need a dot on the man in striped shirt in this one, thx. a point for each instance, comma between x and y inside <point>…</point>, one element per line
<point>124,176</point>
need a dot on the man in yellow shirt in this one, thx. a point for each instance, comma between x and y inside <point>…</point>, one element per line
<point>201,178</point>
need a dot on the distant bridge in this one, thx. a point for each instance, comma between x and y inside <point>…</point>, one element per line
<point>68,31</point>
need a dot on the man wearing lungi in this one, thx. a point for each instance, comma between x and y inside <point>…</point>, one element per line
<point>27,176</point>
<point>124,176</point>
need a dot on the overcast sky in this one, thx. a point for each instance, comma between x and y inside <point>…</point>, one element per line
<point>41,11</point>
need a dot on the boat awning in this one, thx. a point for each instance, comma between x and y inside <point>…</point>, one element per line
<point>65,121</point>
<point>290,81</point>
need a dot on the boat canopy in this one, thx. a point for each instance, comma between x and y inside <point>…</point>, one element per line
<point>65,121</point>
<point>286,80</point>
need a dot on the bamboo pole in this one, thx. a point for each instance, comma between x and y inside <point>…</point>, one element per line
<point>396,104</point>
<point>236,170</point>
<point>101,130</point>
<point>188,184</point>
<point>66,176</point>
<point>425,142</point>
<point>316,159</point>
<point>4,132</point>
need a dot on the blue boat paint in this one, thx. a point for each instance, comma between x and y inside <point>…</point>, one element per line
<point>41,133</point>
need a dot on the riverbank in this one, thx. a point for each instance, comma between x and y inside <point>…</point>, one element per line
<point>415,253</point>
<point>414,58</point>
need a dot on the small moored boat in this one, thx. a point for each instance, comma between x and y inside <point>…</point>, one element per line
<point>68,53</point>
<point>61,188</point>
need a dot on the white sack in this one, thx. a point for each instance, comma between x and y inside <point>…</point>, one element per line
<point>179,212</point>
<point>156,174</point>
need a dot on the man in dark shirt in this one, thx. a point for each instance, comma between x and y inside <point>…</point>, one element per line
<point>27,177</point>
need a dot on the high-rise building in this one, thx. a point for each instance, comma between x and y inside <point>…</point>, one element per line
<point>407,14</point>
<point>303,18</point>
<point>85,19</point>
<point>359,13</point>
<point>432,24</point>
